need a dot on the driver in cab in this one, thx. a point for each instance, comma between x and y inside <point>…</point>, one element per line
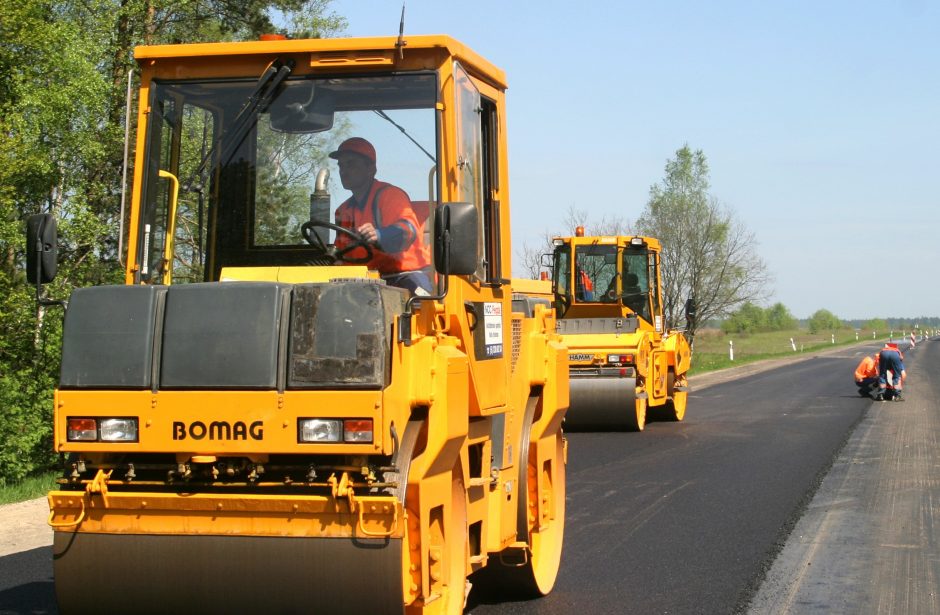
<point>383,215</point>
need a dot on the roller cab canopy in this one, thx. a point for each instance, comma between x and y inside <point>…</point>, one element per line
<point>606,276</point>
<point>232,157</point>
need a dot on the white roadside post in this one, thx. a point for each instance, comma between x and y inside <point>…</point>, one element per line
<point>730,350</point>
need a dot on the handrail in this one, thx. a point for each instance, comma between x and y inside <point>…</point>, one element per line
<point>170,225</point>
<point>127,144</point>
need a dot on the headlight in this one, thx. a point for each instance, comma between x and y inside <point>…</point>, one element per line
<point>320,430</point>
<point>101,429</point>
<point>355,431</point>
<point>118,430</point>
<point>620,358</point>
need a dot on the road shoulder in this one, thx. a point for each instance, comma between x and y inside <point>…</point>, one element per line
<point>866,544</point>
<point>24,526</point>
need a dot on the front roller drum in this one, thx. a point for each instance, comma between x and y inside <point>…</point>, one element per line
<point>159,574</point>
<point>605,404</point>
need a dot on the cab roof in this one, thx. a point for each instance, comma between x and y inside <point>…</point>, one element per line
<point>384,45</point>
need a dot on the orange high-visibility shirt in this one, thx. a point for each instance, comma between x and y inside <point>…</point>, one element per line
<point>586,282</point>
<point>388,209</point>
<point>868,368</point>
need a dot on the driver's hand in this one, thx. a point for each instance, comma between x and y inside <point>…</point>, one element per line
<point>368,232</point>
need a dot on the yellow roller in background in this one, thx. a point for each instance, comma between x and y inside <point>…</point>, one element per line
<point>626,366</point>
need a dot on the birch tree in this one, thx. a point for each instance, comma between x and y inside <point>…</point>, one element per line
<point>708,254</point>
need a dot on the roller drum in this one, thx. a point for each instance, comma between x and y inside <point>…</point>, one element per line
<point>601,404</point>
<point>142,574</point>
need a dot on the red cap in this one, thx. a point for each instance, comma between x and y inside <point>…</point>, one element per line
<point>355,145</point>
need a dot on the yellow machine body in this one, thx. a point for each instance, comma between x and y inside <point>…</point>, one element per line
<point>624,364</point>
<point>245,432</point>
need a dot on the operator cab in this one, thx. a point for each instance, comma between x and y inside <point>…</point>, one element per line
<point>605,271</point>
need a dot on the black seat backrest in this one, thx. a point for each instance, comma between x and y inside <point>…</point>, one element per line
<point>631,284</point>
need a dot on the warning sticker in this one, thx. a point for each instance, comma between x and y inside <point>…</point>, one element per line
<point>493,329</point>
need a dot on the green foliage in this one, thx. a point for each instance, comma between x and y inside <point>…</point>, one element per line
<point>824,320</point>
<point>779,318</point>
<point>875,324</point>
<point>63,70</point>
<point>707,254</point>
<point>26,429</point>
<point>29,365</point>
<point>750,318</point>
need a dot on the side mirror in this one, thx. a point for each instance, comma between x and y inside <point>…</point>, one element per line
<point>456,239</point>
<point>690,309</point>
<point>42,248</point>
<point>547,261</point>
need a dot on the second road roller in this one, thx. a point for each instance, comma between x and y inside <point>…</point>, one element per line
<point>625,364</point>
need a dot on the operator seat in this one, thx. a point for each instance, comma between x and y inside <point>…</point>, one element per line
<point>633,296</point>
<point>631,285</point>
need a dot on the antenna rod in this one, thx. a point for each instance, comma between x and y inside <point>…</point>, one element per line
<point>401,34</point>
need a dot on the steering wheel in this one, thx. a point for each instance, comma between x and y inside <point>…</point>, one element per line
<point>329,250</point>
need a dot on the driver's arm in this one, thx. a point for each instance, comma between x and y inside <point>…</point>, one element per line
<point>397,226</point>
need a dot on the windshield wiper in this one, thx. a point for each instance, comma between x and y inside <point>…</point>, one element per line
<point>265,90</point>
<point>385,117</point>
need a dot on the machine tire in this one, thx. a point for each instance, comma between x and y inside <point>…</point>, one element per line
<point>536,577</point>
<point>447,531</point>
<point>637,420</point>
<point>674,409</point>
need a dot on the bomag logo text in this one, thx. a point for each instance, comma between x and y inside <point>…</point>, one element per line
<point>218,430</point>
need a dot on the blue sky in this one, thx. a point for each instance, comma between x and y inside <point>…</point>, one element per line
<point>820,121</point>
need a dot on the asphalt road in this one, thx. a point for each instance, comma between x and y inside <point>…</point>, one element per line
<point>682,518</point>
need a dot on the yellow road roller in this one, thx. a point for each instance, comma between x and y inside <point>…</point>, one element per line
<point>625,365</point>
<point>266,417</point>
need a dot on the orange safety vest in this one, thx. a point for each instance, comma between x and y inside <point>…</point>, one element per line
<point>586,283</point>
<point>388,209</point>
<point>868,368</point>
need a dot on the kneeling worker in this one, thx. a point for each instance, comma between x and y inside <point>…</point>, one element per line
<point>383,215</point>
<point>866,376</point>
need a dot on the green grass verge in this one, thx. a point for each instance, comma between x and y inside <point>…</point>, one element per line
<point>712,346</point>
<point>30,488</point>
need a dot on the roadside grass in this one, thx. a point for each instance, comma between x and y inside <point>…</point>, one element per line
<point>28,489</point>
<point>712,346</point>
